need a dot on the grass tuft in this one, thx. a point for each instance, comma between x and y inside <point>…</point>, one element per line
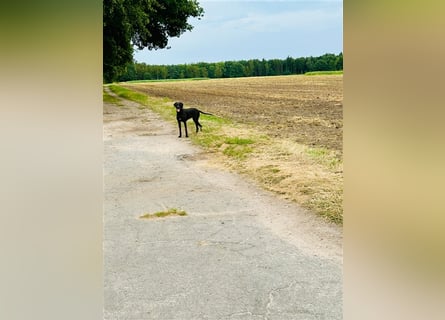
<point>324,156</point>
<point>163,214</point>
<point>239,152</point>
<point>208,140</point>
<point>238,141</point>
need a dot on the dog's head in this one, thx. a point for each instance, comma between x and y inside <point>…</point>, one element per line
<point>178,105</point>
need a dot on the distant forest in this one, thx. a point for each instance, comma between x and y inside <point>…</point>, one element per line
<point>232,69</point>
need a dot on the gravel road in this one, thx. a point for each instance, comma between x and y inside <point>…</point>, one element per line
<point>239,253</point>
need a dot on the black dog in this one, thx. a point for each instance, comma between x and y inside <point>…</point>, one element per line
<point>182,115</point>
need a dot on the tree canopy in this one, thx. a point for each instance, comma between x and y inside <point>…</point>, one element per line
<point>142,24</point>
<point>231,69</point>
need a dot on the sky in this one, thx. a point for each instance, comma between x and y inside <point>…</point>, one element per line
<point>246,29</point>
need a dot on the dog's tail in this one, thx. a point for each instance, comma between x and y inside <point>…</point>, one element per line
<point>206,113</point>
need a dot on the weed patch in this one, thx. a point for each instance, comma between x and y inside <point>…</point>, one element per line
<point>163,214</point>
<point>239,152</point>
<point>238,141</point>
<point>324,156</point>
<point>209,140</point>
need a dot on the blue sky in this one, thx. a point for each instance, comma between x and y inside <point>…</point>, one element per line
<point>242,30</point>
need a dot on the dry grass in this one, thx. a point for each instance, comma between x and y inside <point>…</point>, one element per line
<point>163,214</point>
<point>283,132</point>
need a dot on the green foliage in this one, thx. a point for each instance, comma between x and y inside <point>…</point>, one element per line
<point>231,69</point>
<point>144,24</point>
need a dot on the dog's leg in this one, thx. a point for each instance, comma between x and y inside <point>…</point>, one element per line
<point>185,126</point>
<point>179,126</point>
<point>198,126</point>
<point>196,121</point>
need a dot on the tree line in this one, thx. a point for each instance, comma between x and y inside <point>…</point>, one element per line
<point>232,69</point>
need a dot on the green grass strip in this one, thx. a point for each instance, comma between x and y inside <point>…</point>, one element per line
<point>320,73</point>
<point>129,94</point>
<point>106,97</point>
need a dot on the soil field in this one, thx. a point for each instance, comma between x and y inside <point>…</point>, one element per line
<point>304,109</point>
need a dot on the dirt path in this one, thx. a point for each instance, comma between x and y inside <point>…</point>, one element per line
<point>240,253</point>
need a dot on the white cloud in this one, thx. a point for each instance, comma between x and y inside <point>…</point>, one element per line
<point>276,22</point>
